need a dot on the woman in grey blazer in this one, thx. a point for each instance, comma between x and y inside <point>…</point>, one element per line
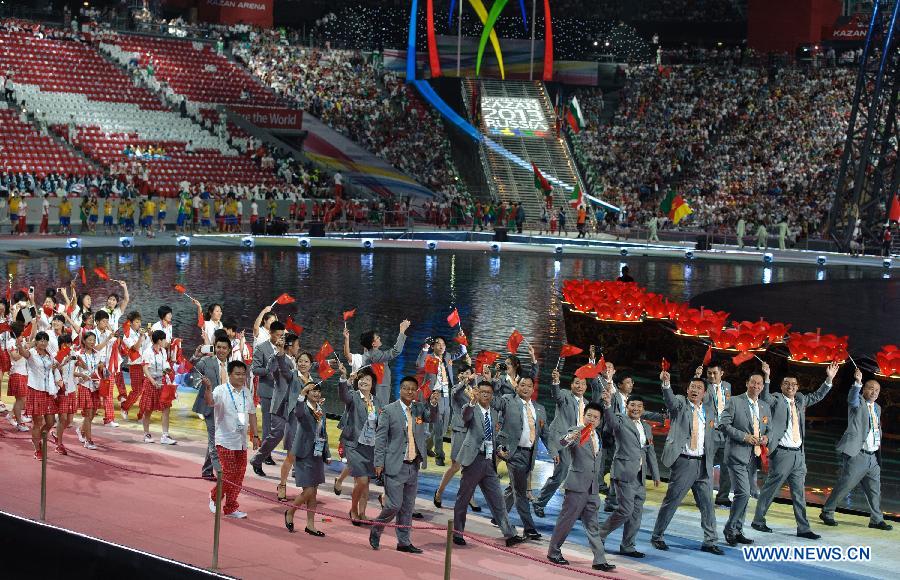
<point>300,377</point>
<point>360,419</point>
<point>311,451</point>
<point>505,382</point>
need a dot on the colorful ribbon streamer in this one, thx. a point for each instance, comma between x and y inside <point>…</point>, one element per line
<point>434,60</point>
<point>494,14</point>
<point>548,43</point>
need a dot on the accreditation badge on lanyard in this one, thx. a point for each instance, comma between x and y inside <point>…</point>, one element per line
<point>242,413</point>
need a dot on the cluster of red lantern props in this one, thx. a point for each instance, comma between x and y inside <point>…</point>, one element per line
<point>815,347</point>
<point>611,301</point>
<point>888,359</point>
<point>744,336</point>
<point>700,322</point>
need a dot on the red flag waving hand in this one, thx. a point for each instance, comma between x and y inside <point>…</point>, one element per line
<point>325,371</point>
<point>461,339</point>
<point>378,369</point>
<point>285,299</point>
<point>292,326</point>
<point>63,352</point>
<point>707,358</point>
<point>515,339</point>
<point>180,289</point>
<point>432,364</point>
<point>348,314</point>
<point>83,275</point>
<point>323,354</point>
<point>740,359</point>
<point>588,371</point>
<point>569,350</point>
<point>453,319</point>
<point>665,365</point>
<point>101,273</point>
<point>585,434</point>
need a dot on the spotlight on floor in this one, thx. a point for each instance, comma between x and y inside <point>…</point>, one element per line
<point>821,260</point>
<point>73,243</point>
<point>248,242</point>
<point>623,252</point>
<point>558,249</point>
<point>183,242</point>
<point>368,243</point>
<point>496,247</point>
<point>689,254</point>
<point>431,245</point>
<point>126,241</point>
<point>768,258</point>
<point>304,243</point>
<point>886,263</point>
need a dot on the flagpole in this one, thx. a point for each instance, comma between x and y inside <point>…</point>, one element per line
<point>531,66</point>
<point>458,38</point>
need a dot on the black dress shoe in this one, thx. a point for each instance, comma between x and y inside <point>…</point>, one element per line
<point>494,523</point>
<point>659,544</point>
<point>810,535</point>
<point>373,540</point>
<point>514,541</point>
<point>353,520</point>
<point>440,462</point>
<point>882,525</point>
<point>762,528</point>
<point>418,516</point>
<point>532,534</point>
<point>475,507</point>
<point>436,501</point>
<point>459,540</point>
<point>538,510</point>
<point>410,549</point>
<point>558,560</point>
<point>288,524</point>
<point>208,477</point>
<point>430,453</point>
<point>724,502</point>
<point>742,539</point>
<point>257,469</point>
<point>632,554</point>
<point>605,567</point>
<point>713,549</point>
<point>827,520</point>
<point>269,461</point>
<point>730,540</point>
<point>316,533</point>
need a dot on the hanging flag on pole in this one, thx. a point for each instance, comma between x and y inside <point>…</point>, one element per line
<point>101,273</point>
<point>515,339</point>
<point>453,319</point>
<point>675,207</point>
<point>574,117</point>
<point>577,198</point>
<point>284,299</point>
<point>348,314</point>
<point>540,182</point>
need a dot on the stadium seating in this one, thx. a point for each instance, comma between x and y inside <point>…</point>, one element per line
<point>23,148</point>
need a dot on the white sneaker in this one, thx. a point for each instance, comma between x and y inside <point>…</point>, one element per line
<point>12,420</point>
<point>26,419</point>
<point>90,445</point>
<point>236,515</point>
<point>124,415</point>
<point>212,506</point>
<point>80,435</point>
<point>112,424</point>
<point>166,440</point>
<point>148,438</point>
<point>22,428</point>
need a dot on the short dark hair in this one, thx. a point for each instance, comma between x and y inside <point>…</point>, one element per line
<point>486,384</point>
<point>67,338</point>
<point>163,310</point>
<point>367,338</point>
<point>157,336</point>
<point>714,365</point>
<point>133,315</point>
<point>276,326</point>
<point>220,333</point>
<point>365,372</point>
<point>524,377</point>
<point>101,315</point>
<point>621,378</point>
<point>230,325</point>
<point>636,399</point>
<point>410,379</point>
<point>290,338</point>
<point>61,318</point>
<point>222,339</point>
<point>267,316</point>
<point>698,380</point>
<point>594,406</point>
<point>41,336</point>
<point>236,364</point>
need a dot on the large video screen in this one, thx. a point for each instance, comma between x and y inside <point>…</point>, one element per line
<point>514,117</point>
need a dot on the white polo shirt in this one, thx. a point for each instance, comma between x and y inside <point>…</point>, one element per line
<point>231,410</point>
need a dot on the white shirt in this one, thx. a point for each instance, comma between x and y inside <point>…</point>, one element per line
<point>19,367</point>
<point>114,317</point>
<point>103,354</point>
<point>356,361</point>
<point>158,325</point>
<point>524,438</point>
<point>131,342</point>
<point>786,439</point>
<point>231,410</point>
<point>40,372</point>
<point>210,328</point>
<point>91,361</point>
<point>622,398</point>
<point>157,361</point>
<point>261,337</point>
<point>701,433</point>
<point>872,443</point>
<point>66,374</point>
<point>640,429</point>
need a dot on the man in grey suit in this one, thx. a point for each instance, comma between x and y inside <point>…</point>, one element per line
<point>718,391</point>
<point>787,456</point>
<point>524,422</point>
<point>264,366</point>
<point>582,499</point>
<point>443,382</point>
<point>746,422</point>
<point>459,398</point>
<point>478,457</point>
<point>286,391</point>
<point>570,407</point>
<point>371,342</point>
<point>621,391</point>
<point>860,449</point>
<point>214,368</point>
<point>634,459</point>
<point>688,453</point>
<point>399,451</point>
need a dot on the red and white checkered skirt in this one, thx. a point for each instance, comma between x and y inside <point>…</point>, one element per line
<point>67,404</point>
<point>5,361</point>
<point>18,386</point>
<point>150,399</point>
<point>88,399</point>
<point>39,403</point>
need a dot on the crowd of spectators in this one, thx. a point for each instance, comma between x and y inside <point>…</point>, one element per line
<point>757,143</point>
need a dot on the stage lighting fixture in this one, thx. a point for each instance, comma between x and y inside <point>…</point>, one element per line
<point>126,241</point>
<point>248,242</point>
<point>558,249</point>
<point>432,245</point>
<point>73,243</point>
<point>304,243</point>
<point>821,260</point>
<point>183,241</point>
<point>689,254</point>
<point>768,258</point>
<point>368,243</point>
<point>623,252</point>
<point>886,263</point>
<point>496,247</point>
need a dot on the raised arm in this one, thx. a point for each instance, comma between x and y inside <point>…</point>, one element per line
<point>126,298</point>
<point>823,390</point>
<point>347,354</point>
<point>555,392</point>
<point>258,322</point>
<point>669,397</point>
<point>765,394</point>
<point>345,393</point>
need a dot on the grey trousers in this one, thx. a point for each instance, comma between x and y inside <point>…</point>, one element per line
<point>265,405</point>
<point>740,481</point>
<point>211,461</point>
<point>724,474</point>
<point>481,473</point>
<point>519,466</point>
<point>439,429</point>
<point>864,470</point>
<point>400,491</point>
<point>790,465</point>
<point>578,505</point>
<point>631,496</point>
<point>560,470</point>
<point>688,474</point>
<point>277,427</point>
<point>608,452</point>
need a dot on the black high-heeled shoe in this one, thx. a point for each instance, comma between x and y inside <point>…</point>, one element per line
<point>288,524</point>
<point>475,507</point>
<point>353,520</point>
<point>437,502</point>
<point>315,533</point>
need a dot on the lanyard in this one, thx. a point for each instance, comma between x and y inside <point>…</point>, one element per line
<point>47,365</point>
<point>159,364</point>
<point>233,402</point>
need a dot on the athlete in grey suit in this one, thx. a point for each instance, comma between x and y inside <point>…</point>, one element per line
<point>286,390</point>
<point>787,456</point>
<point>478,457</point>
<point>210,368</point>
<point>582,500</point>
<point>371,342</point>
<point>514,434</point>
<point>718,391</point>
<point>860,449</point>
<point>741,450</point>
<point>443,382</point>
<point>459,398</point>
<point>690,467</point>
<point>401,474</point>
<point>569,406</point>
<point>635,458</point>
<point>264,367</point>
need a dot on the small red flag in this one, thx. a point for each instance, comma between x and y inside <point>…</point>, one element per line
<point>515,339</point>
<point>348,314</point>
<point>180,288</point>
<point>378,369</point>
<point>48,310</point>
<point>325,371</point>
<point>707,358</point>
<point>200,319</point>
<point>453,319</point>
<point>101,273</point>
<point>9,293</point>
<point>534,391</point>
<point>588,371</point>
<point>63,352</point>
<point>27,330</point>
<point>585,434</point>
<point>126,328</point>
<point>569,350</point>
<point>665,365</point>
<point>285,299</point>
<point>602,364</point>
<point>4,327</point>
<point>323,354</point>
<point>167,394</point>
<point>485,357</point>
<point>461,339</point>
<point>292,326</point>
<point>740,359</point>
<point>425,388</point>
<point>83,275</point>
<point>133,354</point>
<point>432,364</point>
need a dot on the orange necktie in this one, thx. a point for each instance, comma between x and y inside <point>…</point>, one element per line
<point>795,423</point>
<point>720,400</point>
<point>757,450</point>
<point>410,439</point>
<point>531,433</point>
